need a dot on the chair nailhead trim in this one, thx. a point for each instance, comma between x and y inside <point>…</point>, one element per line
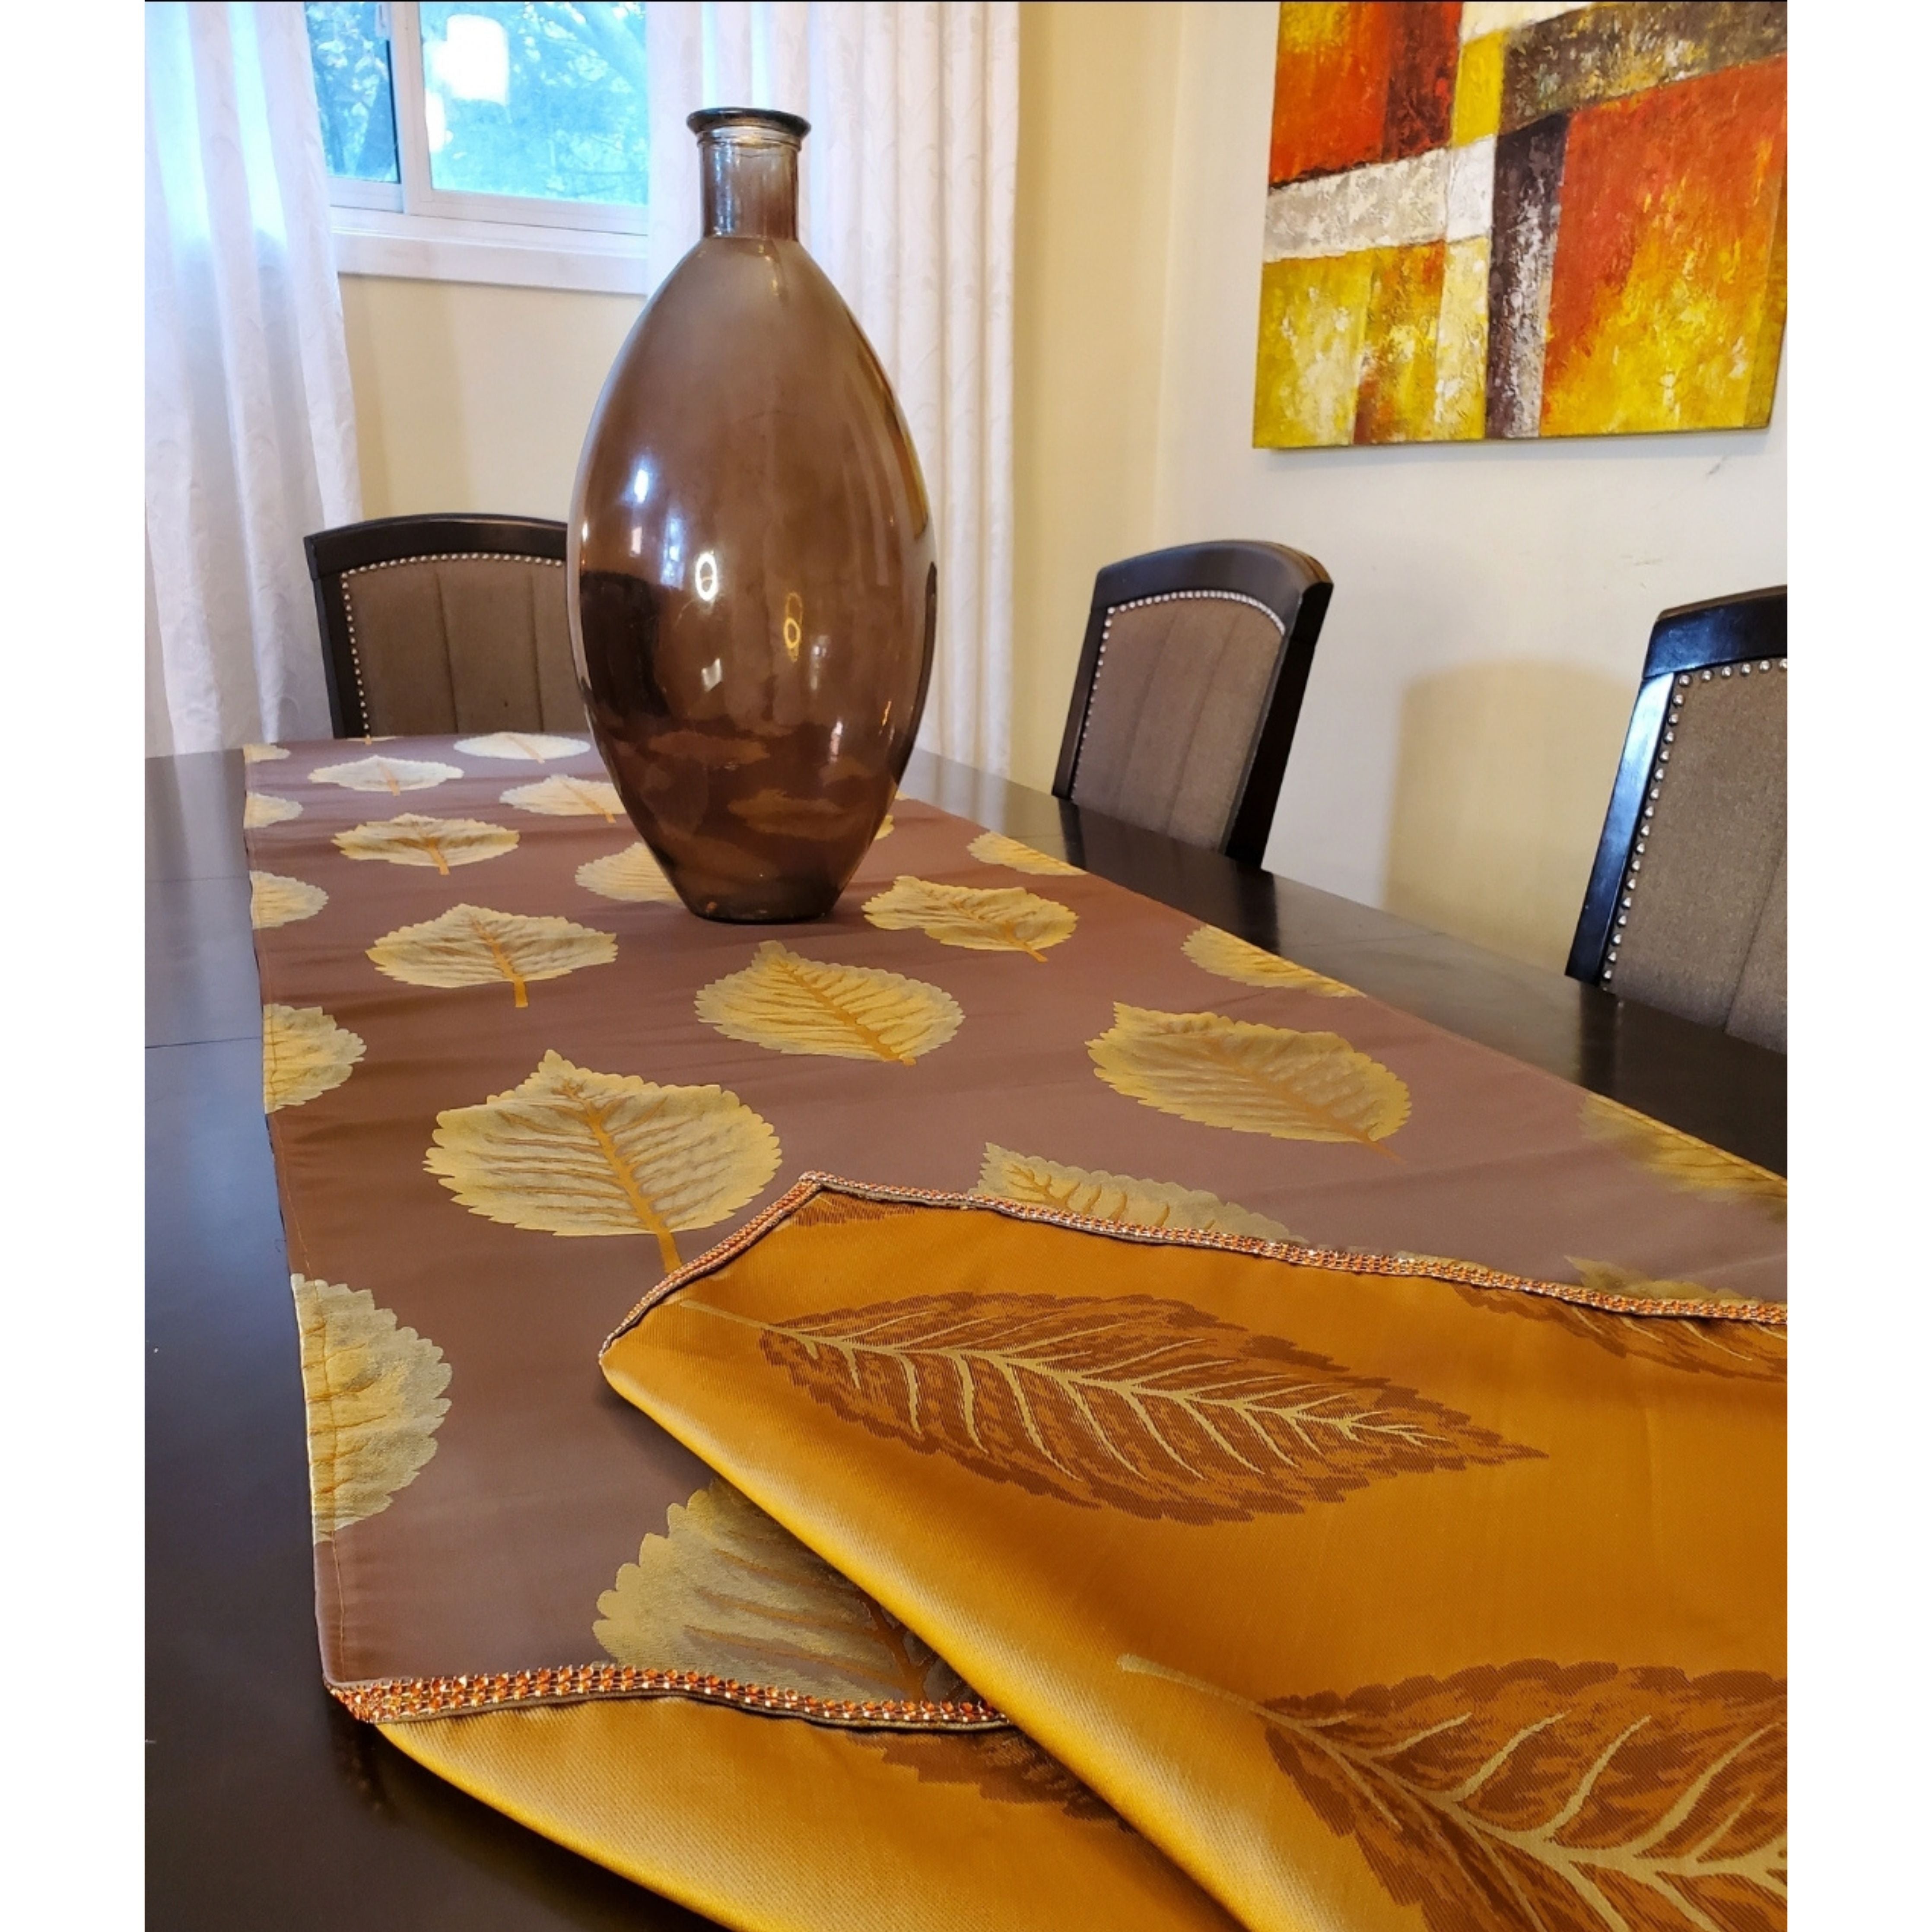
<point>1638,845</point>
<point>395,562</point>
<point>1139,603</point>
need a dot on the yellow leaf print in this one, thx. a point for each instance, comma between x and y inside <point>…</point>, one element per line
<point>632,874</point>
<point>996,919</point>
<point>262,754</point>
<point>783,816</point>
<point>1607,1278</point>
<point>263,807</point>
<point>472,946</point>
<point>304,1053</point>
<point>1256,1079</point>
<point>726,1592</point>
<point>1680,1160</point>
<point>885,830</point>
<point>412,839</point>
<point>1221,953</point>
<point>995,848</point>
<point>561,797</point>
<point>375,1401</point>
<point>275,900</point>
<point>795,1005</point>
<point>380,773</point>
<point>574,1152</point>
<point>532,748</point>
<point>1037,1182</point>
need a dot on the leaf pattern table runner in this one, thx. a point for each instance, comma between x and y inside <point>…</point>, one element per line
<point>696,1619</point>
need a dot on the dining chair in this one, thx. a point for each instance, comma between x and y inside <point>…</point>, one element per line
<point>1685,906</point>
<point>1190,684</point>
<point>438,624</point>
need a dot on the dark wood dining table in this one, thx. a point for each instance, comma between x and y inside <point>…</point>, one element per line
<point>267,1805</point>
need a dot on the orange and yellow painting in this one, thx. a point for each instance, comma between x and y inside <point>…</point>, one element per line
<point>1551,218</point>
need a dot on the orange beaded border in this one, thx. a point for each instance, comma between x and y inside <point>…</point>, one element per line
<point>388,1700</point>
<point>1467,1274</point>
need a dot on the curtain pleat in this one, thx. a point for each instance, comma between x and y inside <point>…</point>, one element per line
<point>251,420</point>
<point>907,201</point>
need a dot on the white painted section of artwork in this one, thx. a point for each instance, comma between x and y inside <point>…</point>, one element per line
<point>1496,16</point>
<point>1472,178</point>
<point>1388,205</point>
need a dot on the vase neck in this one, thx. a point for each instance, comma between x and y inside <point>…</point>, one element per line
<point>748,162</point>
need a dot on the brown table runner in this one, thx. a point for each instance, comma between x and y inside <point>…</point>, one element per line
<point>511,1082</point>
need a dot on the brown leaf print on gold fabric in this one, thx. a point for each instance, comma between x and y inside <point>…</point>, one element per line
<point>1546,1799</point>
<point>1144,1405</point>
<point>1005,1766</point>
<point>829,1210</point>
<point>1680,1160</point>
<point>1748,1350</point>
<point>474,946</point>
<point>1221,1072</point>
<point>983,918</point>
<point>726,1590</point>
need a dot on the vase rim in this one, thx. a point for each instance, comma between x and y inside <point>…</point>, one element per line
<point>751,122</point>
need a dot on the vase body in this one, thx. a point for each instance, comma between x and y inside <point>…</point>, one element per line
<point>751,574</point>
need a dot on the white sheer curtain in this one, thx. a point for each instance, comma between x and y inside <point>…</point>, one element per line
<point>250,424</point>
<point>907,205</point>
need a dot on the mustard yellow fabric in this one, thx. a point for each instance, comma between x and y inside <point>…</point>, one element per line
<point>772,1824</point>
<point>1362,1597</point>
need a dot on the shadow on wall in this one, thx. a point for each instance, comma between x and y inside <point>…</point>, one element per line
<point>1503,775</point>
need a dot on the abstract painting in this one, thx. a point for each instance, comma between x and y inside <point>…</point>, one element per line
<point>1518,220</point>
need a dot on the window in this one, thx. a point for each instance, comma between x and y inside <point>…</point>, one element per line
<point>484,142</point>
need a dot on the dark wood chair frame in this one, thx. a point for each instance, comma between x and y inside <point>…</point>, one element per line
<point>401,540</point>
<point>1690,640</point>
<point>1293,586</point>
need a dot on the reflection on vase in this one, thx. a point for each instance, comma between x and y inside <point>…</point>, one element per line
<point>752,587</point>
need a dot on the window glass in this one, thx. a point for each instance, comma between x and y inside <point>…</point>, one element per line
<point>348,48</point>
<point>547,101</point>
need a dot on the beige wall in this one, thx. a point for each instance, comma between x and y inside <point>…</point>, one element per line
<point>469,397</point>
<point>1491,604</point>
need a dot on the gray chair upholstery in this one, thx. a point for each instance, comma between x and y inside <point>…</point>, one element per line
<point>1697,924</point>
<point>1189,689</point>
<point>441,625</point>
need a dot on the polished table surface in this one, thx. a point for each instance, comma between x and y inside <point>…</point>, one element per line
<point>267,1804</point>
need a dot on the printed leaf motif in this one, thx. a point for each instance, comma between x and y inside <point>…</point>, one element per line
<point>795,1005</point>
<point>1679,1160</point>
<point>375,1402</point>
<point>885,830</point>
<point>1256,1079</point>
<point>304,1053</point>
<point>995,848</point>
<point>986,919</point>
<point>273,900</point>
<point>380,773</point>
<point>262,754</point>
<point>782,816</point>
<point>578,1152</point>
<point>726,1590</point>
<point>561,797</point>
<point>1746,1350</point>
<point>1005,1766</point>
<point>1221,953</point>
<point>701,748</point>
<point>632,874</point>
<point>535,748</point>
<point>1148,1406</point>
<point>1101,1196</point>
<point>411,839</point>
<point>263,808</point>
<point>472,946</point>
<point>1543,1798</point>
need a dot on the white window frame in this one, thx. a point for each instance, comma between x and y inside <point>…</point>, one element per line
<point>413,230</point>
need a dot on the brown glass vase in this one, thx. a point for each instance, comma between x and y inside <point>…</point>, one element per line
<point>751,576</point>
